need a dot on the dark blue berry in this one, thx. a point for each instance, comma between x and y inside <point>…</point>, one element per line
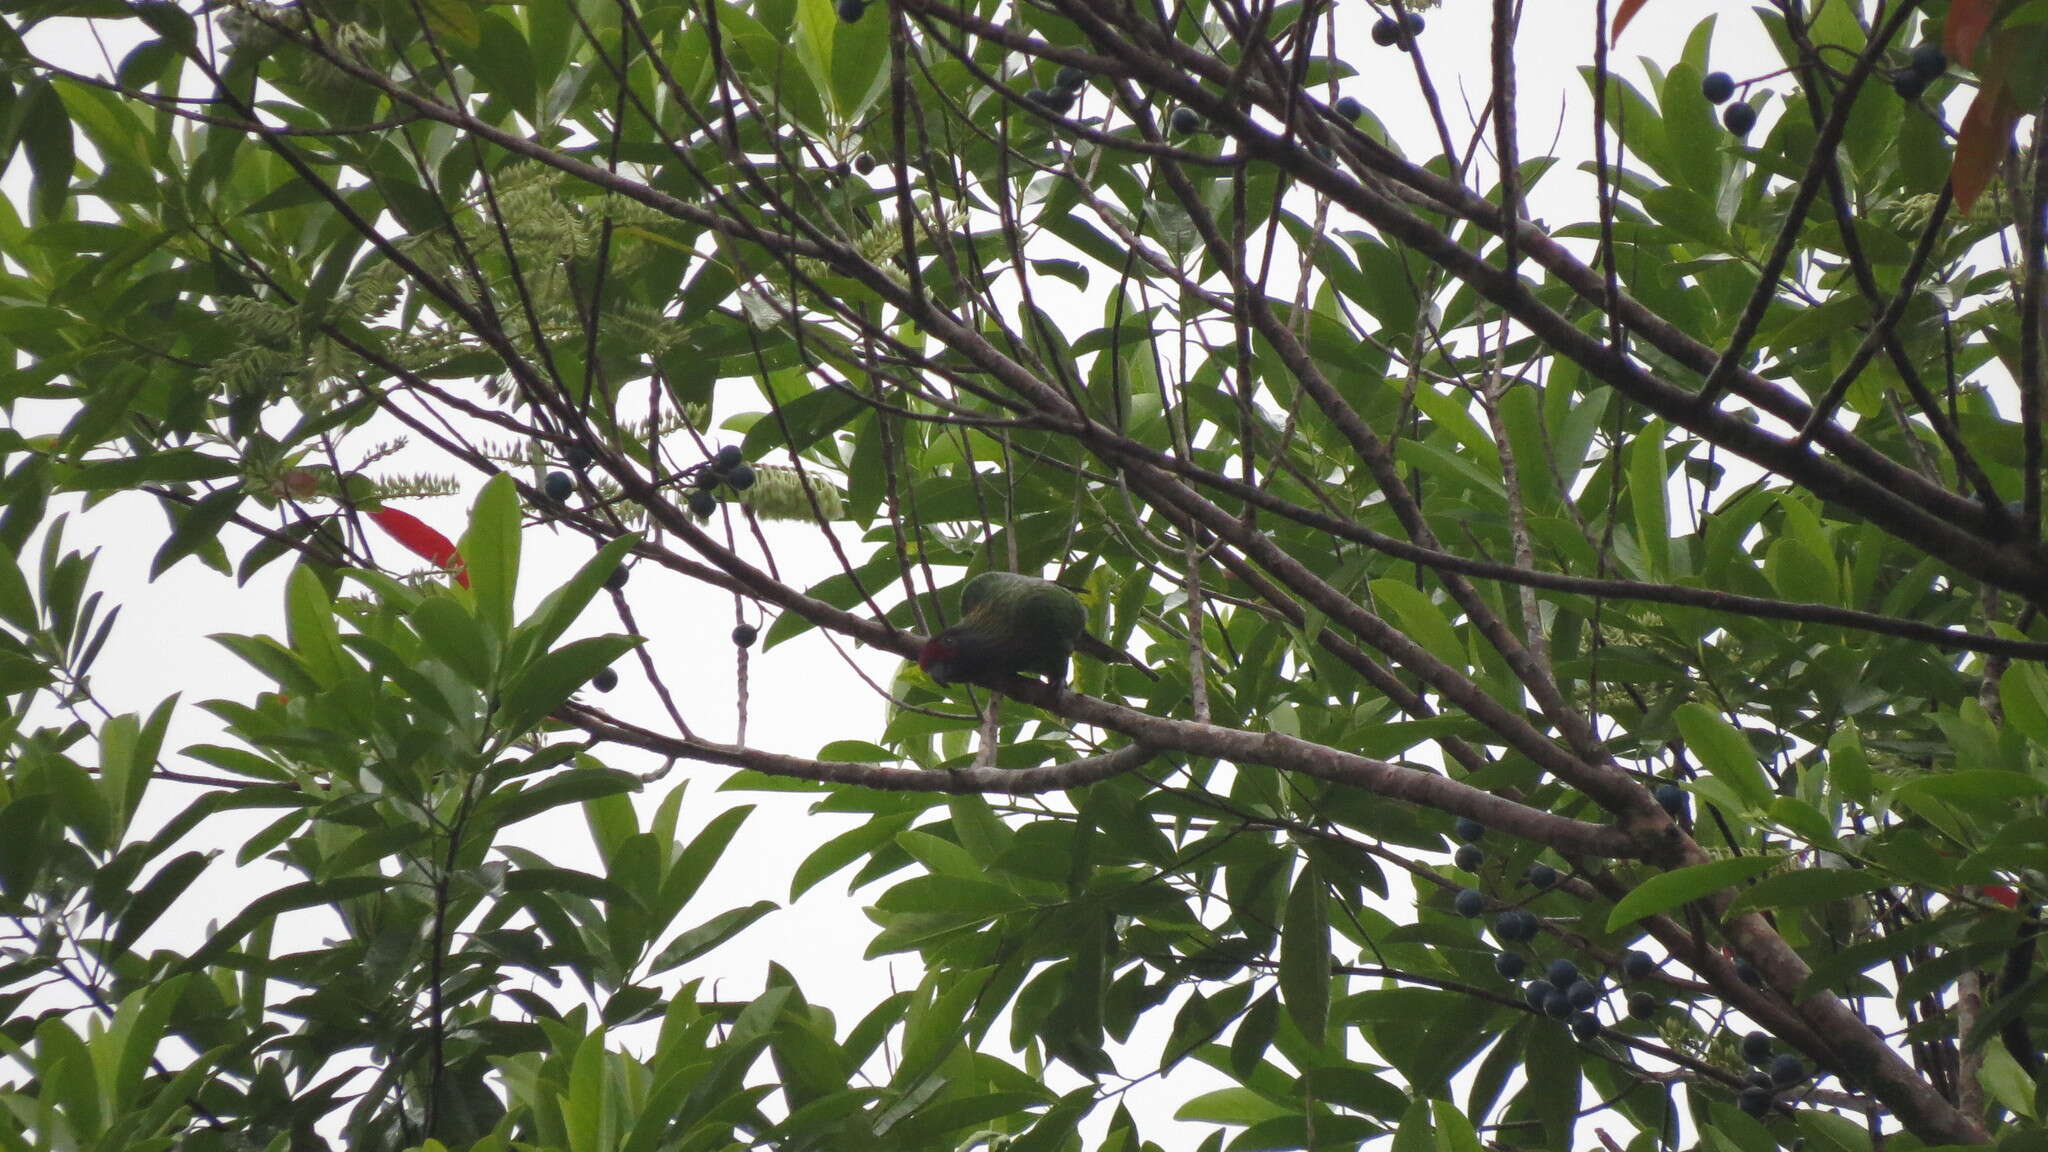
<point>743,635</point>
<point>1585,1026</point>
<point>850,11</point>
<point>578,457</point>
<point>1557,1005</point>
<point>740,478</point>
<point>1069,78</point>
<point>1637,965</point>
<point>1738,118</point>
<point>617,579</point>
<point>1186,120</point>
<point>1929,62</point>
<point>1469,903</point>
<point>1754,1101</point>
<point>1583,994</point>
<point>1671,798</point>
<point>1470,830</point>
<point>559,486</point>
<point>1350,108</point>
<point>1385,31</point>
<point>1541,876</point>
<point>1787,1070</point>
<point>1756,1047</point>
<point>703,503</point>
<point>728,457</point>
<point>1538,993</point>
<point>1561,972</point>
<point>1717,87</point>
<point>605,680</point>
<point>1909,85</point>
<point>1510,965</point>
<point>1469,857</point>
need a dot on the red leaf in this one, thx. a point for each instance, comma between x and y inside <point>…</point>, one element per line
<point>1623,15</point>
<point>1982,141</point>
<point>1967,20</point>
<point>421,540</point>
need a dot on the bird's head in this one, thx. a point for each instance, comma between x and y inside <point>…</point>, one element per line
<point>940,659</point>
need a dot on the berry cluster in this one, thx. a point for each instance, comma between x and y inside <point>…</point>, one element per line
<point>1561,991</point>
<point>1738,117</point>
<point>1066,85</point>
<point>728,467</point>
<point>1388,31</point>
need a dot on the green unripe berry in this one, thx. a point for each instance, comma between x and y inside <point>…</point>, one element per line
<point>1642,1005</point>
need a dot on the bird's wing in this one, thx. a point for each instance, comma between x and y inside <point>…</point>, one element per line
<point>976,590</point>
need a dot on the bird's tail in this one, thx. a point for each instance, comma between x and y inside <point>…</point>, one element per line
<point>1095,649</point>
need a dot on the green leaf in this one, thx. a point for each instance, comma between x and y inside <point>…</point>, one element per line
<point>704,937</point>
<point>490,550</point>
<point>1647,477</point>
<point>1725,752</point>
<point>1305,956</point>
<point>549,681</point>
<point>1668,891</point>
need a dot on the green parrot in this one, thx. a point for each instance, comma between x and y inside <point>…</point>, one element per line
<point>1014,624</point>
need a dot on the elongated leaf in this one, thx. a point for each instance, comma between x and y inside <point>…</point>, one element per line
<point>1668,891</point>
